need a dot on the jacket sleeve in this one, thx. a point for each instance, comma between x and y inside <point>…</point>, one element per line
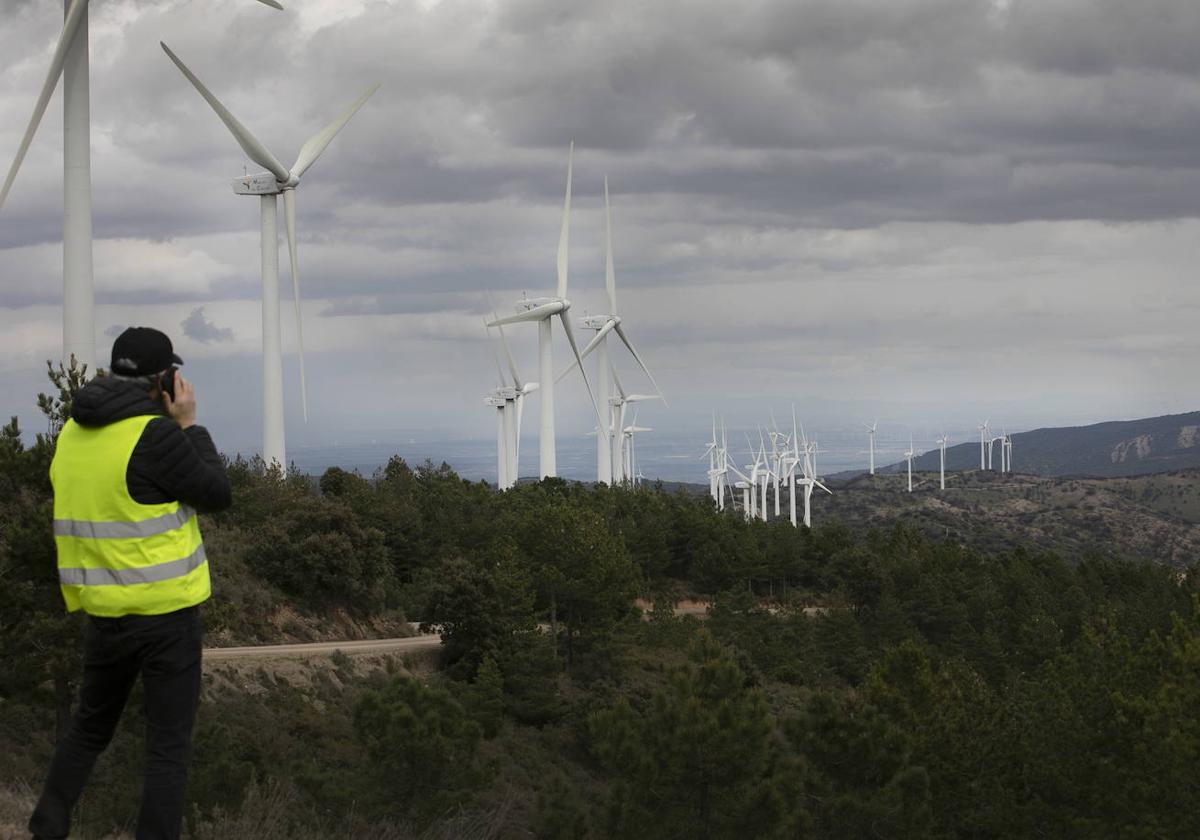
<point>174,464</point>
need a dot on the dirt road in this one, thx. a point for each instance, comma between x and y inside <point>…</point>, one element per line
<point>403,645</point>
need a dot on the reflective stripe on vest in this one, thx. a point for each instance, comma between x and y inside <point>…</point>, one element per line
<point>123,530</point>
<point>127,577</point>
<point>117,556</point>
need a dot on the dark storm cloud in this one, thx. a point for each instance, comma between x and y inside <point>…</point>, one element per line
<point>197,327</point>
<point>846,114</point>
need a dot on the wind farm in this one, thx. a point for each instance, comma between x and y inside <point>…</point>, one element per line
<point>691,421</point>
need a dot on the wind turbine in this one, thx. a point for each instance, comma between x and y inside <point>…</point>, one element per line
<point>723,473</point>
<point>809,481</point>
<point>631,468</point>
<point>512,398</point>
<point>497,400</point>
<point>542,312</point>
<point>267,186</point>
<point>618,405</point>
<point>71,62</point>
<point>871,429</point>
<point>604,324</point>
<point>753,479</point>
<point>942,446</point>
<point>515,408</point>
<point>983,430</point>
<point>909,456</point>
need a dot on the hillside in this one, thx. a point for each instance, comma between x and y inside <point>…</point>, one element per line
<point>1118,448</point>
<point>1150,517</point>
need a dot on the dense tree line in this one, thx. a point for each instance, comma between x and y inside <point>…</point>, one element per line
<point>878,684</point>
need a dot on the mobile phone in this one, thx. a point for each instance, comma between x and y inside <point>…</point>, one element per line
<point>166,382</point>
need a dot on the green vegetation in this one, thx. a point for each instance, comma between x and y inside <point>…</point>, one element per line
<point>847,682</point>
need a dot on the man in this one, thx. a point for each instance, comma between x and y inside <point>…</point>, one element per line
<point>130,471</point>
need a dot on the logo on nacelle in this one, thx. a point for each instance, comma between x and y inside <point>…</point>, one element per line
<point>262,183</point>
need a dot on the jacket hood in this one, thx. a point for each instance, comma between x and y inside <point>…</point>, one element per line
<point>106,400</point>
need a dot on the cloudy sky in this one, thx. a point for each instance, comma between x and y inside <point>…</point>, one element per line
<point>925,210</point>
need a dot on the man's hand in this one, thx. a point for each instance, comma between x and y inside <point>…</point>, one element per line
<point>182,409</point>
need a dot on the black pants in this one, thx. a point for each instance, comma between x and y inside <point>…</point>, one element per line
<point>165,650</point>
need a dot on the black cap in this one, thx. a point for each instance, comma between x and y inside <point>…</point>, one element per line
<point>141,351</point>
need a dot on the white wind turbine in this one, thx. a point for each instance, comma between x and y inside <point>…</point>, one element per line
<point>769,477</point>
<point>497,399</point>
<point>71,62</point>
<point>617,405</point>
<point>542,312</point>
<point>745,483</point>
<point>763,465</point>
<point>809,481</point>
<point>723,478</point>
<point>871,430</point>
<point>778,453</point>
<point>631,465</point>
<point>604,324</point>
<point>755,474</point>
<point>983,430</point>
<point>909,456</point>
<point>515,408</point>
<point>268,185</point>
<point>942,447</point>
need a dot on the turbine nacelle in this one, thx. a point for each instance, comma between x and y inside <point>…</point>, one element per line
<point>261,183</point>
<point>599,322</point>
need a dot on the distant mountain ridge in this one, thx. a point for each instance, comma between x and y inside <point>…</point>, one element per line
<point>1104,450</point>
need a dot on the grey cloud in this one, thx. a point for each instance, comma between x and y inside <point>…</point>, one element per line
<point>196,326</point>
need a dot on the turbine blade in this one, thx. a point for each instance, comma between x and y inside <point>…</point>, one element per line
<point>591,345</point>
<point>496,356</point>
<point>289,213</point>
<point>822,486</point>
<point>312,148</point>
<point>272,4</point>
<point>512,365</point>
<point>70,27</point>
<point>610,276</point>
<point>564,235</point>
<point>254,150</point>
<point>625,339</point>
<point>566,322</point>
<point>616,380</point>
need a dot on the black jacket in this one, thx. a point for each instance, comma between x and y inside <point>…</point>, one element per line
<point>169,464</point>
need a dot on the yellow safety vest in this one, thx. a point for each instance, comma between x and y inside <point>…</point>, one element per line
<point>117,556</point>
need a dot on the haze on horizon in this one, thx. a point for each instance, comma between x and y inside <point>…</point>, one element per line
<point>930,211</point>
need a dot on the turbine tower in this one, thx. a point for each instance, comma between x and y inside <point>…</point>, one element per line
<point>983,430</point>
<point>268,186</point>
<point>909,456</point>
<point>71,62</point>
<point>871,430</point>
<point>542,311</point>
<point>942,446</point>
<point>498,400</point>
